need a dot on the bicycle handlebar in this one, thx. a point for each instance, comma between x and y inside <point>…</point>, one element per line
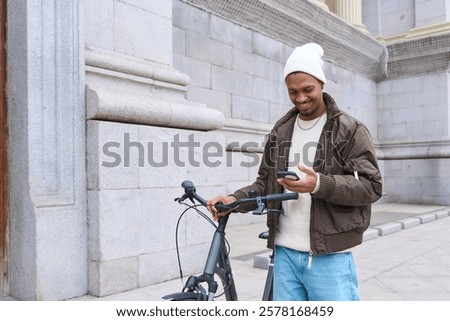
<point>190,192</point>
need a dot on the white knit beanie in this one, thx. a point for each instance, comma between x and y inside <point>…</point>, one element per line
<point>307,58</point>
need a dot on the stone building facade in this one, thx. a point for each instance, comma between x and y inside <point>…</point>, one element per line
<point>111,104</point>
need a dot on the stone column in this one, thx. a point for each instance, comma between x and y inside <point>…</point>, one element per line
<point>351,11</point>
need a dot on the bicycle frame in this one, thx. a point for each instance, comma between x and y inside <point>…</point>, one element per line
<point>268,287</point>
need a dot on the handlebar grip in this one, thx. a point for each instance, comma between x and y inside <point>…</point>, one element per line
<point>282,197</point>
<point>221,207</point>
<point>188,186</point>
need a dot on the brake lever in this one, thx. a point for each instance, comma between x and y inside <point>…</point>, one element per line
<point>181,199</point>
<point>260,206</point>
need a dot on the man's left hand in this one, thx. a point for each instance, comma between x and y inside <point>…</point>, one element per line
<point>305,185</point>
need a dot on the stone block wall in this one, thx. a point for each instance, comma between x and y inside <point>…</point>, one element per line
<point>430,12</point>
<point>413,108</point>
<point>132,27</point>
<point>387,18</point>
<point>132,214</point>
<point>414,131</point>
<point>420,180</point>
<point>233,69</point>
<point>413,122</point>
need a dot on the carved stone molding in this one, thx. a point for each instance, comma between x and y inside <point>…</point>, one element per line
<point>424,149</point>
<point>418,56</point>
<point>128,89</point>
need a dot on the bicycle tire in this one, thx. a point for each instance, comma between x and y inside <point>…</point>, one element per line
<point>188,299</point>
<point>185,296</point>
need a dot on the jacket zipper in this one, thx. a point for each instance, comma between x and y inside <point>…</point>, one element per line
<point>355,172</point>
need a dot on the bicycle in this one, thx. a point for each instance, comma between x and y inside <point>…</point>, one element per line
<point>217,262</point>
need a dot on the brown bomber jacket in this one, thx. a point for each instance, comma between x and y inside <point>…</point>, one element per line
<point>341,208</point>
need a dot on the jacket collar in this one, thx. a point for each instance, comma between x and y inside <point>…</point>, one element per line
<point>332,108</point>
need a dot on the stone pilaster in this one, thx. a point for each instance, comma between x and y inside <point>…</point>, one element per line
<point>48,240</point>
<point>351,11</point>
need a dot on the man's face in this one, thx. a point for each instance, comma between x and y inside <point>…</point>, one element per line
<point>305,92</point>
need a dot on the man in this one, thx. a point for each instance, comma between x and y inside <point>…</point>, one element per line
<point>334,157</point>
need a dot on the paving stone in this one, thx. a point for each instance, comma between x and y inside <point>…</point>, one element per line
<point>409,222</point>
<point>441,214</point>
<point>261,261</point>
<point>370,234</point>
<point>426,218</point>
<point>388,228</point>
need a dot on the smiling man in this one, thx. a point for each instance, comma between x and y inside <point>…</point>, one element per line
<point>339,180</point>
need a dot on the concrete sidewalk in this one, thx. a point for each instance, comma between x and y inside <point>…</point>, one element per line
<point>405,256</point>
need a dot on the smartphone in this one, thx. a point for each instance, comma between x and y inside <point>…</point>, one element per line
<point>288,174</point>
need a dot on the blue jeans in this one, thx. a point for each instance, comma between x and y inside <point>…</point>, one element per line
<point>329,277</point>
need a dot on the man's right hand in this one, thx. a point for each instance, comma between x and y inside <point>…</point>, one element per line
<point>219,198</point>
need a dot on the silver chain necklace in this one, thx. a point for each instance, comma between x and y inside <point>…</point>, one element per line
<point>298,123</point>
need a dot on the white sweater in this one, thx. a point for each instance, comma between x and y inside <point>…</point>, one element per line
<point>293,231</point>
